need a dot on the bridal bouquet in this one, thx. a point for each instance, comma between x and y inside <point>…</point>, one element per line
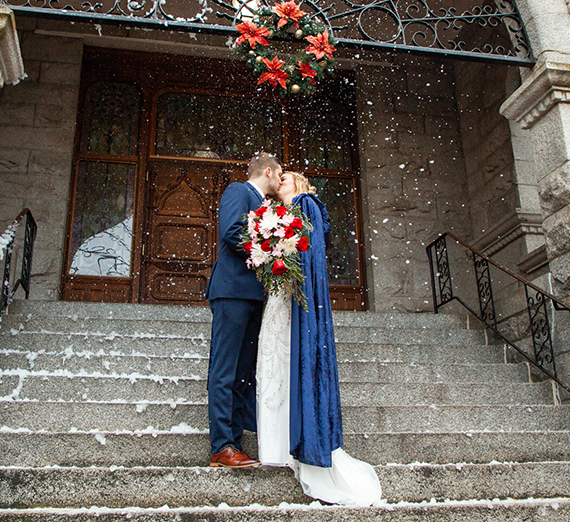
<point>273,237</point>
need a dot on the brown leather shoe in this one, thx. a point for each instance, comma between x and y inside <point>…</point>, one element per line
<point>230,457</point>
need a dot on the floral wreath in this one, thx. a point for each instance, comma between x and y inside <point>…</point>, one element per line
<point>300,72</point>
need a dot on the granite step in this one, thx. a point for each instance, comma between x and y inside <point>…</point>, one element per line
<point>21,310</point>
<point>118,328</point>
<point>179,416</point>
<point>62,385</point>
<point>528,510</point>
<point>106,449</point>
<point>117,487</point>
<point>350,371</point>
<point>199,346</point>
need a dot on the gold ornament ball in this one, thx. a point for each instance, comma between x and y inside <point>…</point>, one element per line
<point>295,88</point>
<point>258,59</point>
<point>299,34</point>
<point>252,52</point>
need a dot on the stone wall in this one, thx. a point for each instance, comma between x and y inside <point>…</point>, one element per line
<point>37,125</point>
<point>413,175</point>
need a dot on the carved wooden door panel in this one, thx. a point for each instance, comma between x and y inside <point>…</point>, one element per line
<point>180,236</point>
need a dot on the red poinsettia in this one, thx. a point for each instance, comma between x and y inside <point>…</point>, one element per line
<point>288,10</point>
<point>253,34</point>
<point>273,75</point>
<point>320,45</point>
<point>306,71</point>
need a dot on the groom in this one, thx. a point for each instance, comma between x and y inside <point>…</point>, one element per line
<point>236,300</point>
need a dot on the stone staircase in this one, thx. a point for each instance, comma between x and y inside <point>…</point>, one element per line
<point>103,417</point>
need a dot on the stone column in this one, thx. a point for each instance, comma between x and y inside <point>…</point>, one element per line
<point>542,105</point>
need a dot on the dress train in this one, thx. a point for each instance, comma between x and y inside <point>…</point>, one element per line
<point>349,481</point>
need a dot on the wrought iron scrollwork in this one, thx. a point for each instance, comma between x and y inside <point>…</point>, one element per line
<point>27,255</point>
<point>540,328</point>
<point>484,290</point>
<point>538,303</point>
<point>492,31</point>
<point>443,290</point>
<point>415,23</point>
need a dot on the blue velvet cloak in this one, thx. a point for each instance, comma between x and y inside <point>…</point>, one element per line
<point>315,424</point>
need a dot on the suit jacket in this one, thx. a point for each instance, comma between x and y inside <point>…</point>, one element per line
<point>230,276</point>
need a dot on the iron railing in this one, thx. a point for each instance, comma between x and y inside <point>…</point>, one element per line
<point>538,302</point>
<point>27,255</point>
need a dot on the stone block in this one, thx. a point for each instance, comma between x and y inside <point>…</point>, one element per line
<point>551,140</point>
<point>51,48</point>
<point>51,163</point>
<point>547,30</point>
<point>409,104</point>
<point>526,170</point>
<point>522,150</point>
<point>373,83</point>
<point>20,114</point>
<point>560,269</point>
<point>557,231</point>
<point>554,190</point>
<point>11,207</point>
<point>13,161</point>
<point>29,138</point>
<point>48,94</point>
<point>51,116</point>
<point>59,73</point>
<point>32,69</point>
<point>528,198</point>
<point>433,83</point>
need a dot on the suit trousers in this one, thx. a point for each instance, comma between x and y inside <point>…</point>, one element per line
<point>231,378</point>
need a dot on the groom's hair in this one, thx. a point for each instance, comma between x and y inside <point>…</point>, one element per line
<point>259,163</point>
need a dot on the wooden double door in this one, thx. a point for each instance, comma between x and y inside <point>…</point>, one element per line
<point>159,138</point>
<point>180,230</point>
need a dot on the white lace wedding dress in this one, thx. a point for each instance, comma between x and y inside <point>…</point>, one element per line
<point>349,481</point>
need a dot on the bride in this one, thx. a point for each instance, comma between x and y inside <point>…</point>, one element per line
<point>298,404</point>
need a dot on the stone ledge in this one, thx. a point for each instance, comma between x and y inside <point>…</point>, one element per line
<point>508,230</point>
<point>534,260</point>
<point>548,85</point>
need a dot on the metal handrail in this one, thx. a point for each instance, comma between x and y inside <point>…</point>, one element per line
<point>536,299</point>
<point>6,295</point>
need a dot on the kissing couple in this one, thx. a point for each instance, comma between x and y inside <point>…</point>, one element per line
<point>296,410</point>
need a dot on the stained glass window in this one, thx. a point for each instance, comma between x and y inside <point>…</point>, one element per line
<point>342,257</point>
<point>221,127</point>
<point>110,119</point>
<point>325,135</point>
<point>103,220</point>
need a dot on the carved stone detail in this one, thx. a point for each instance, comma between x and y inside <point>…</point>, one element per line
<point>548,85</point>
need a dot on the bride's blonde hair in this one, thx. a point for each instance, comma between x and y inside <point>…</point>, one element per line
<point>302,184</point>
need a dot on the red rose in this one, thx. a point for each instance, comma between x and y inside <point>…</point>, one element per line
<point>297,223</point>
<point>260,211</point>
<point>281,211</point>
<point>302,244</point>
<point>279,267</point>
<point>289,232</point>
<point>257,226</point>
<point>247,247</point>
<point>266,246</point>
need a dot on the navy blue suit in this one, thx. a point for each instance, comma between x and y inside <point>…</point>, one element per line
<point>236,300</point>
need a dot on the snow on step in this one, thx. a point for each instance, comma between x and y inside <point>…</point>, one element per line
<point>117,487</point>
<point>552,510</point>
